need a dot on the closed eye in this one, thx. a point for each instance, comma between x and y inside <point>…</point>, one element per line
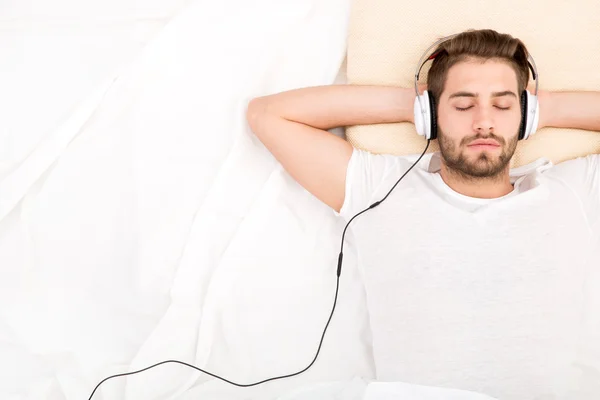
<point>466,108</point>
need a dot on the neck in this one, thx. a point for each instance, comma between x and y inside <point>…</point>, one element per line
<point>481,188</point>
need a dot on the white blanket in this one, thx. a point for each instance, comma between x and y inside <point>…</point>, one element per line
<point>152,224</point>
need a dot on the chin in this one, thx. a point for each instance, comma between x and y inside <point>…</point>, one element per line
<point>486,165</point>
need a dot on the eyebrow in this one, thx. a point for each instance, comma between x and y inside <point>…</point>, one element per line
<point>494,94</point>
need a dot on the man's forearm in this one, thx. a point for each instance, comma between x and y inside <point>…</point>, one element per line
<point>578,110</point>
<point>332,106</point>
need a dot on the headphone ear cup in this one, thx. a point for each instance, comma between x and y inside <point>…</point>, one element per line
<point>523,115</point>
<point>422,115</point>
<point>433,114</point>
<point>533,115</point>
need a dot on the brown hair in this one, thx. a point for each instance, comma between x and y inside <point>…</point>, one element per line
<point>481,44</point>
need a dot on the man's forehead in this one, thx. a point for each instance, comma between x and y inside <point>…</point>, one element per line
<point>491,77</point>
<point>477,79</point>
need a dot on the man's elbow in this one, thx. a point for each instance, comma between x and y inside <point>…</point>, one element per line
<point>256,107</point>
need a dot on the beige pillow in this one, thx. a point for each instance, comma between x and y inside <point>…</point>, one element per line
<point>387,38</point>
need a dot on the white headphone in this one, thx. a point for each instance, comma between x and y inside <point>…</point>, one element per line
<point>426,120</point>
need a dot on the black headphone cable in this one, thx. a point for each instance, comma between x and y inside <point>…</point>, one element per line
<point>339,272</point>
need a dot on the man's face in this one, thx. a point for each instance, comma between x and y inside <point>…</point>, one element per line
<point>488,93</point>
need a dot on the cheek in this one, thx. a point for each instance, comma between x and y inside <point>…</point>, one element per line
<point>509,127</point>
<point>454,125</point>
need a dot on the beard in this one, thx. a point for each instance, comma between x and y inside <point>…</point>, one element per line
<point>485,164</point>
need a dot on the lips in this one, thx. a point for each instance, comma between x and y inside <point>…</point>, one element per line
<point>484,142</point>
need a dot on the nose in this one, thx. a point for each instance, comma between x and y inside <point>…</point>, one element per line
<point>482,121</point>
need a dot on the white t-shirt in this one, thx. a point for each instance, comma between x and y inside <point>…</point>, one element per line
<point>498,296</point>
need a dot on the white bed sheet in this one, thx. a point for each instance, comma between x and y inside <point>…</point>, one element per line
<point>55,52</point>
<point>148,223</point>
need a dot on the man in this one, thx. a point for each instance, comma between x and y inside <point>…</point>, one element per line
<point>478,277</point>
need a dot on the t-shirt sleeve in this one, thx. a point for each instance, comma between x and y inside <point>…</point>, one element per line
<point>583,176</point>
<point>366,172</point>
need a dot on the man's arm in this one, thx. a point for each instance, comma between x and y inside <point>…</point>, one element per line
<point>578,110</point>
<point>293,126</point>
